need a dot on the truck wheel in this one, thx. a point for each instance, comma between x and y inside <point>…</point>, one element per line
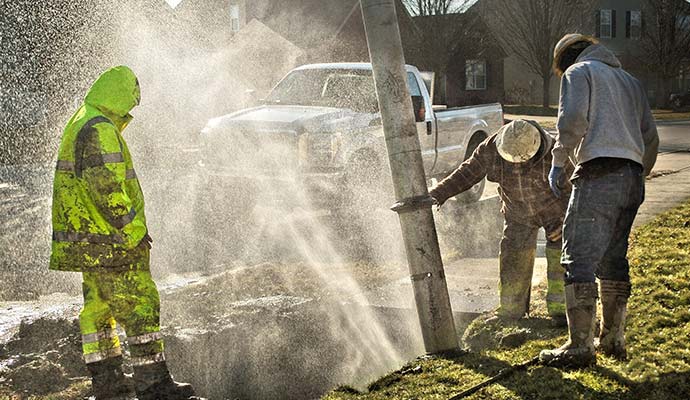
<point>473,194</point>
<point>677,105</point>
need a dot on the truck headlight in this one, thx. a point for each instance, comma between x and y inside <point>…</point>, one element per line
<point>319,149</point>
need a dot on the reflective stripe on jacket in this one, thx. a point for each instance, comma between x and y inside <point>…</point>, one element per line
<point>98,205</point>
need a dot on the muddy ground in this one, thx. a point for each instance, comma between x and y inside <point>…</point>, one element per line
<point>265,332</point>
<point>290,324</point>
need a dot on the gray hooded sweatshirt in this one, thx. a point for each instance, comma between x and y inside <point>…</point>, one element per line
<point>603,112</point>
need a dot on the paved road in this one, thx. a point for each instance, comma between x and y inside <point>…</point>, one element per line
<point>674,136</point>
<point>674,147</point>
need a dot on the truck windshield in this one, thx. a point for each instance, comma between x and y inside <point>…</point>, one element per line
<point>353,89</point>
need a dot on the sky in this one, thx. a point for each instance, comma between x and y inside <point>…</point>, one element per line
<point>173,3</point>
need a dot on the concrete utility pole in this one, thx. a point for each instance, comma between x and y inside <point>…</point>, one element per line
<point>413,201</point>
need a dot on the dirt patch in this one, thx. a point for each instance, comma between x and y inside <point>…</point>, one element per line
<point>289,331</point>
<point>39,377</point>
<point>43,357</point>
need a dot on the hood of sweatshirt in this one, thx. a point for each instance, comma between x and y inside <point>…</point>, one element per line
<point>598,52</point>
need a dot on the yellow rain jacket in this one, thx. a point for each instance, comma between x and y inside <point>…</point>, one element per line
<point>98,205</point>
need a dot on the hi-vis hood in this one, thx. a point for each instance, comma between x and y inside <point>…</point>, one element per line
<point>598,52</point>
<point>115,93</point>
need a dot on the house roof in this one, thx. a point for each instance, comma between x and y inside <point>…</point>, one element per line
<point>259,55</point>
<point>303,22</point>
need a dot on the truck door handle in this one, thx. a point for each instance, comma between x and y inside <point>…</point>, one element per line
<point>429,129</point>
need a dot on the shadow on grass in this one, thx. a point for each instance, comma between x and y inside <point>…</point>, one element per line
<point>536,383</point>
<point>668,386</point>
<point>541,382</point>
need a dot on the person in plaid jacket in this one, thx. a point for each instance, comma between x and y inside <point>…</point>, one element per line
<point>518,158</point>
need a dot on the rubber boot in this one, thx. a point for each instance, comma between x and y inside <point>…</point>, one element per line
<point>614,302</point>
<point>154,382</point>
<point>107,379</point>
<point>555,294</point>
<point>581,307</point>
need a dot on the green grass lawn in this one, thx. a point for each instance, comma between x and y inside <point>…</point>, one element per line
<point>533,110</point>
<point>658,335</point>
<point>668,115</point>
<point>539,111</point>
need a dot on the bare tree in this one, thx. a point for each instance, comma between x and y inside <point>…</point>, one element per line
<point>665,42</point>
<point>434,7</point>
<point>529,29</point>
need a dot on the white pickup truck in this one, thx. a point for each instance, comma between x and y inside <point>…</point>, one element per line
<point>320,127</point>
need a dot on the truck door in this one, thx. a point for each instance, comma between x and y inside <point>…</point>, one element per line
<point>427,141</point>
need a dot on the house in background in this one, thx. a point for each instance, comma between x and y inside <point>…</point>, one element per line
<point>619,25</point>
<point>464,55</point>
<point>333,31</point>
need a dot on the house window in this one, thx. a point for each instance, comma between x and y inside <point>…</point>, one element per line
<point>235,17</point>
<point>606,26</point>
<point>633,21</point>
<point>475,75</point>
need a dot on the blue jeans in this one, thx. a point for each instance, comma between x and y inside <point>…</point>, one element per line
<point>598,223</point>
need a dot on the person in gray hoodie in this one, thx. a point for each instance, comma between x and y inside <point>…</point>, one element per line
<point>605,127</point>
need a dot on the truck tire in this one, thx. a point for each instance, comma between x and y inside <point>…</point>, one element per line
<point>473,194</point>
<point>677,105</point>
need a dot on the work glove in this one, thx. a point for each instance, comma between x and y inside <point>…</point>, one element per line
<point>436,199</point>
<point>436,203</point>
<point>556,180</point>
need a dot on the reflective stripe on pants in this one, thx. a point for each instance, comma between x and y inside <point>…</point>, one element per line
<point>100,342</point>
<point>128,297</point>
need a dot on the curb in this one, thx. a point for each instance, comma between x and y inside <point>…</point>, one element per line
<point>673,122</point>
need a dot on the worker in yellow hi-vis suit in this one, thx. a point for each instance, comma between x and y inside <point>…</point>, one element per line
<point>99,229</point>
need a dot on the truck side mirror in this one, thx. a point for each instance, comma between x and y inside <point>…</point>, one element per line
<point>419,110</point>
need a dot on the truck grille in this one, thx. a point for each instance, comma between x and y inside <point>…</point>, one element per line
<point>254,151</point>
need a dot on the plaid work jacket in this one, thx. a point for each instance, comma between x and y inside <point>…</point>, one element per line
<point>523,187</point>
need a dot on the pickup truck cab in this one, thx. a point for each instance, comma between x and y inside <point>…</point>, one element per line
<point>320,126</point>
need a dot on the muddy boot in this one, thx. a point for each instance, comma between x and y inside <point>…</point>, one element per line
<point>614,301</point>
<point>107,379</point>
<point>578,351</point>
<point>555,294</point>
<point>154,382</point>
